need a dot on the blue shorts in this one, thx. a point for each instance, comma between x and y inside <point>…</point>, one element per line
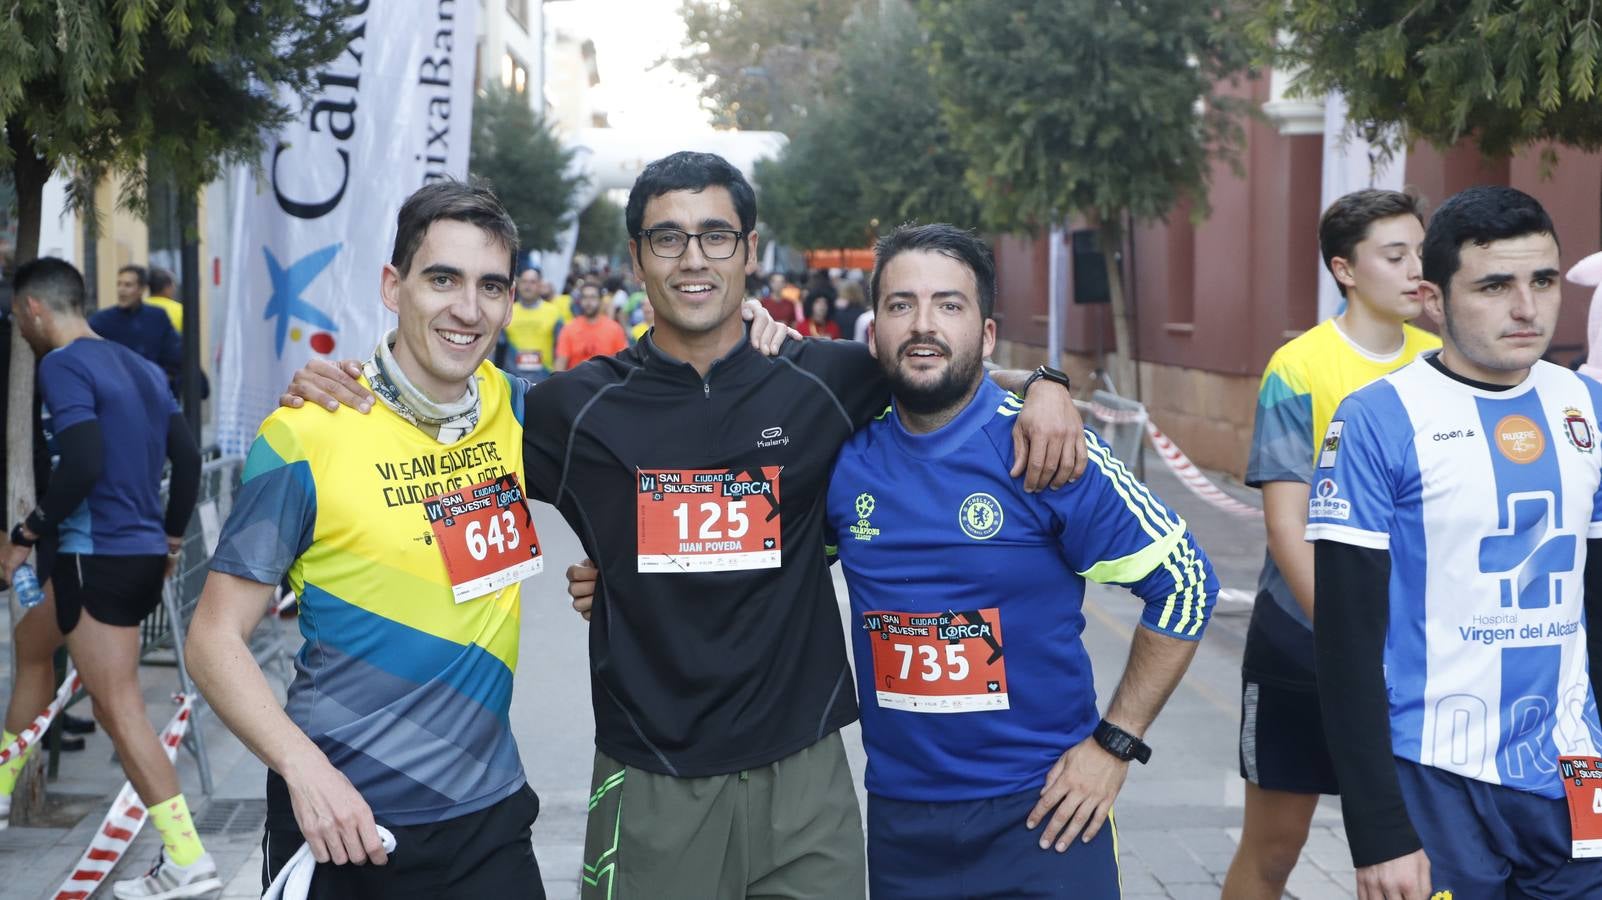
<point>1486,840</point>
<point>980,849</point>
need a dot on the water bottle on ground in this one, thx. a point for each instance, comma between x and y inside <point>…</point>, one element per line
<point>25,584</point>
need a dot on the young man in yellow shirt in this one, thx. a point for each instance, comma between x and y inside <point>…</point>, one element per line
<point>1370,241</point>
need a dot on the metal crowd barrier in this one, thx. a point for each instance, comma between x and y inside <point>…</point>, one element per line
<point>162,632</point>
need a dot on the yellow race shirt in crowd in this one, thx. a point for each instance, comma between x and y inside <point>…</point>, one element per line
<point>1305,382</point>
<point>533,330</point>
<point>173,309</point>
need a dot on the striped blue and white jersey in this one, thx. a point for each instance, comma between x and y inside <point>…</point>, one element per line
<point>1484,500</point>
<point>967,597</point>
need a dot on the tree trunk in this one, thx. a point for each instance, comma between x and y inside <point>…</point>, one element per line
<point>29,174</point>
<point>189,281</point>
<point>1118,363</point>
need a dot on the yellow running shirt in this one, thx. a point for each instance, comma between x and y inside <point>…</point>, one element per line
<point>533,330</point>
<point>405,690</point>
<point>173,309</point>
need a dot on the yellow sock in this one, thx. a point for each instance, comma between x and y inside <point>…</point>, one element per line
<point>178,834</point>
<point>12,769</point>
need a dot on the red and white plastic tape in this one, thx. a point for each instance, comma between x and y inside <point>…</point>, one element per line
<point>1176,460</point>
<point>123,820</point>
<point>30,735</point>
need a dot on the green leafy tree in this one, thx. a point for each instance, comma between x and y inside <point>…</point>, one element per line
<point>1502,74</point>
<point>761,63</point>
<point>1103,108</point>
<point>525,162</point>
<point>810,195</point>
<point>601,232</point>
<point>92,87</point>
<point>876,150</point>
<point>100,86</point>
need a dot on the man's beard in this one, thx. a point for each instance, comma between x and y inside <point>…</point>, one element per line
<point>950,389</point>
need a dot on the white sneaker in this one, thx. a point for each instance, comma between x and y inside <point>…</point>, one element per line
<point>5,811</point>
<point>165,880</point>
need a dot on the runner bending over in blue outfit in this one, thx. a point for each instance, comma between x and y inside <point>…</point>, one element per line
<point>105,546</point>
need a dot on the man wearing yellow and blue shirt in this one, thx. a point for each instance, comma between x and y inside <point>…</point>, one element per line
<point>1370,242</point>
<point>398,713</point>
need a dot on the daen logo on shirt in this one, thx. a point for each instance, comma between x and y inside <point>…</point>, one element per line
<point>1331,446</point>
<point>980,516</point>
<point>1577,429</point>
<point>864,530</point>
<point>1325,505</point>
<point>1520,439</point>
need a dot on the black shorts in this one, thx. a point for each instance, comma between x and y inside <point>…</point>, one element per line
<point>1282,746</point>
<point>115,590</point>
<point>486,854</point>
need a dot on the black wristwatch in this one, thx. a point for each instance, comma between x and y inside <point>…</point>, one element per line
<point>1121,743</point>
<point>1056,376</point>
<point>18,538</point>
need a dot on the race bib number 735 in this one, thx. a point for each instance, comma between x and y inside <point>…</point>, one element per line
<point>937,662</point>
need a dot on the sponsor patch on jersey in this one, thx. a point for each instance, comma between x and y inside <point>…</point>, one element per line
<point>1520,439</point>
<point>1328,450</point>
<point>980,516</point>
<point>1578,430</point>
<point>1325,505</point>
<point>864,530</point>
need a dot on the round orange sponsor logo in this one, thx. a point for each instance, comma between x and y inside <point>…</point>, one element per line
<point>1520,439</point>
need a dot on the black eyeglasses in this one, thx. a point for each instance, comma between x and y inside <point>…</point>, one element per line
<point>670,243</point>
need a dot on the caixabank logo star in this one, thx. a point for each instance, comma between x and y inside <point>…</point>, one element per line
<point>285,303</point>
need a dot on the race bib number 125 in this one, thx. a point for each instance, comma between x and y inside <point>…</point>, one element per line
<point>708,520</point>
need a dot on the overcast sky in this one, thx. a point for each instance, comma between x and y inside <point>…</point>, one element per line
<point>629,36</point>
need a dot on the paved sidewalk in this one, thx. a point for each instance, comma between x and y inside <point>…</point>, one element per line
<point>35,861</point>
<point>1178,818</point>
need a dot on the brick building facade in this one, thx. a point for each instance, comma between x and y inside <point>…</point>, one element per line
<point>1210,301</point>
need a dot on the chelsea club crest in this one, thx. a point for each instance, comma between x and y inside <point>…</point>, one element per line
<point>980,516</point>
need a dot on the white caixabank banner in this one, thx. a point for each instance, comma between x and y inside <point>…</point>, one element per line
<point>313,230</point>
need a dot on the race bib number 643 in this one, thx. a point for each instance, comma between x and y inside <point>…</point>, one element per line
<point>708,520</point>
<point>486,535</point>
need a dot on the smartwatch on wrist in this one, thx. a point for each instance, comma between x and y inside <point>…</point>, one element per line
<point>1121,743</point>
<point>18,538</point>
<point>1056,376</point>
